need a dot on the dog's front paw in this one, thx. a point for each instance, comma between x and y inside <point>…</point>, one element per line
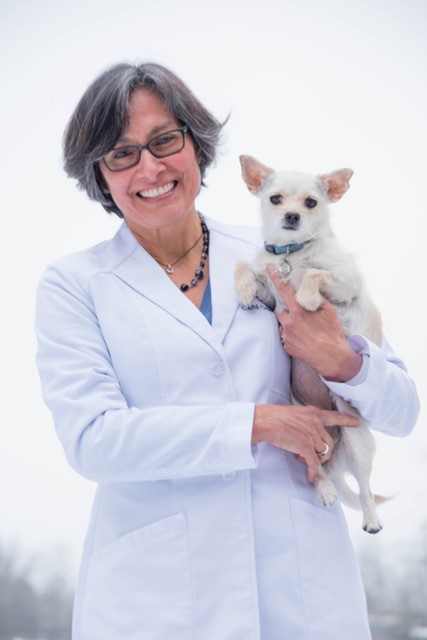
<point>246,283</point>
<point>308,295</point>
<point>309,300</point>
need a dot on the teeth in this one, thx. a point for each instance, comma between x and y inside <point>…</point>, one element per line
<point>153,193</point>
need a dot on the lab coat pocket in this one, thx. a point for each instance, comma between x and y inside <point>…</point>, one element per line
<point>138,587</point>
<point>331,586</point>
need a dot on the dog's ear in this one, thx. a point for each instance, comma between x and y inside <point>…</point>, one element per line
<point>254,173</point>
<point>335,184</point>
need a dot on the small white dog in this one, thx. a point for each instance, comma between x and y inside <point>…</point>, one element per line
<point>298,240</point>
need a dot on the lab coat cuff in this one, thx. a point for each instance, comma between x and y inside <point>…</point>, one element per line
<point>240,453</point>
<point>365,382</point>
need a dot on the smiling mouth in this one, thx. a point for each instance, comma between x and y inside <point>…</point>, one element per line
<point>155,193</point>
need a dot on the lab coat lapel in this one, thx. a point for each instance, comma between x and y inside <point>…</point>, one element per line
<point>225,250</point>
<point>146,276</point>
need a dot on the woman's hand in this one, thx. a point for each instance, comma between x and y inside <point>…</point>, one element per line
<point>300,430</point>
<point>315,337</point>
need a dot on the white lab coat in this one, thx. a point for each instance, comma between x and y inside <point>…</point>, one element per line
<point>194,534</point>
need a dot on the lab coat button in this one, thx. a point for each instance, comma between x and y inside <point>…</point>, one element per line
<point>229,474</point>
<point>217,368</point>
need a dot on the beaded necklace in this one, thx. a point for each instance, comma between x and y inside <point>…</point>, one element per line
<point>169,267</point>
<point>205,251</point>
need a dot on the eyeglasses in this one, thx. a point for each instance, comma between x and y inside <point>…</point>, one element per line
<point>166,144</point>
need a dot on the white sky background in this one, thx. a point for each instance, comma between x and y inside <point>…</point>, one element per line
<point>311,85</point>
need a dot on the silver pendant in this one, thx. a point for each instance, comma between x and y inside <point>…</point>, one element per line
<point>285,268</point>
<point>169,268</point>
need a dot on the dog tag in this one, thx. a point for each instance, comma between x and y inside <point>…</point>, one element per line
<point>285,268</point>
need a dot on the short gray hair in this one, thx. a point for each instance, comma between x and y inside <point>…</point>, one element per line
<point>102,116</point>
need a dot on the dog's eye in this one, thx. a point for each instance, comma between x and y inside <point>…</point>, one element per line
<point>276,199</point>
<point>310,203</point>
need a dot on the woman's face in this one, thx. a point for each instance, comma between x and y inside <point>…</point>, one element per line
<point>157,192</point>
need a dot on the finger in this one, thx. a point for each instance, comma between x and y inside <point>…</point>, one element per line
<point>312,462</point>
<point>311,459</point>
<point>278,279</point>
<point>324,450</point>
<point>284,289</point>
<point>328,306</point>
<point>335,418</point>
<point>323,444</point>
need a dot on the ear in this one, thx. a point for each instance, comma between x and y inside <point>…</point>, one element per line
<point>336,183</point>
<point>254,173</point>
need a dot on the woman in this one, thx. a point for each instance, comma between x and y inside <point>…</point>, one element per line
<point>175,400</point>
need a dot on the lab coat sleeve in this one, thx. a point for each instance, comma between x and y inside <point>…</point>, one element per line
<point>106,440</point>
<point>382,391</point>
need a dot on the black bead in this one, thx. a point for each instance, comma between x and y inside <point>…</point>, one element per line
<point>205,250</point>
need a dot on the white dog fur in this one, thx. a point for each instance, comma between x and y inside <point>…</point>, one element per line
<point>295,210</point>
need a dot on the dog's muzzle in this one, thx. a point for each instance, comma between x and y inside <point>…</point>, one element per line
<point>291,220</point>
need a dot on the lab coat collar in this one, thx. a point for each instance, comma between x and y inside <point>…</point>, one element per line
<point>140,271</point>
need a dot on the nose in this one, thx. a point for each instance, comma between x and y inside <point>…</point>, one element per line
<point>292,218</point>
<point>149,166</point>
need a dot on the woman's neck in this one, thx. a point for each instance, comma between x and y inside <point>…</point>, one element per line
<point>167,244</point>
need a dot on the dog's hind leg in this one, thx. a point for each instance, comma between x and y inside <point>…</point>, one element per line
<point>359,448</point>
<point>360,455</point>
<point>325,487</point>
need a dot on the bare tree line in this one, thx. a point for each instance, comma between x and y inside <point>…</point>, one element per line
<point>32,611</point>
<point>395,579</point>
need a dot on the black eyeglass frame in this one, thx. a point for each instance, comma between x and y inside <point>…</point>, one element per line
<point>141,147</point>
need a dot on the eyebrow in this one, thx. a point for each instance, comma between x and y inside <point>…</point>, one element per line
<point>165,126</point>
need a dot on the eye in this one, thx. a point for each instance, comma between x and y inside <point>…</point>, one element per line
<point>167,139</point>
<point>310,203</point>
<point>124,152</point>
<point>276,198</point>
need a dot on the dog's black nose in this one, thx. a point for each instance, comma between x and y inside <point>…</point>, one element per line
<point>292,219</point>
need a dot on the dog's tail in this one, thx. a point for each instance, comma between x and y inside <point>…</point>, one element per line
<point>351,498</point>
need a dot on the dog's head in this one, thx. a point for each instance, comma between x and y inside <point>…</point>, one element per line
<point>294,205</point>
